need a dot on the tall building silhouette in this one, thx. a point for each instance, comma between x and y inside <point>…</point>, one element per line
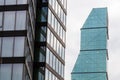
<point>91,63</point>
<point>32,39</point>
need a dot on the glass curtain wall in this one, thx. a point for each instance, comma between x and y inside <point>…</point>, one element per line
<point>50,39</point>
<point>17,24</point>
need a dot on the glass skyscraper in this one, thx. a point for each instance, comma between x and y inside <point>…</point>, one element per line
<point>91,63</point>
<point>32,39</point>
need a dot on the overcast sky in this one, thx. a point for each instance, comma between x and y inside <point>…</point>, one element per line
<point>78,11</point>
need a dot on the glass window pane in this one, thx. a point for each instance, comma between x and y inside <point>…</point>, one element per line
<point>7,47</point>
<point>51,59</point>
<point>48,36</point>
<point>21,1</point>
<point>20,20</point>
<point>17,71</point>
<point>9,20</point>
<point>46,74</point>
<point>1,17</point>
<point>44,0</point>
<point>0,45</point>
<point>55,43</point>
<point>19,46</point>
<point>54,62</point>
<point>10,2</point>
<point>47,56</point>
<point>5,73</point>
<point>44,14</point>
<point>51,40</point>
<point>1,2</point>
<point>49,16</point>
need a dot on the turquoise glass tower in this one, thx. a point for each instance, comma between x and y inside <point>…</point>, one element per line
<point>91,63</point>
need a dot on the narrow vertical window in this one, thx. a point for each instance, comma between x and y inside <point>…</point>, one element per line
<point>1,20</point>
<point>44,14</point>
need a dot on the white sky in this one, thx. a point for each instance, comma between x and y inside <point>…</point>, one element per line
<point>78,11</point>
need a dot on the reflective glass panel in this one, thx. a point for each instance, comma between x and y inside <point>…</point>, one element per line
<point>7,47</point>
<point>17,71</point>
<point>6,70</point>
<point>9,20</point>
<point>20,20</point>
<point>19,46</point>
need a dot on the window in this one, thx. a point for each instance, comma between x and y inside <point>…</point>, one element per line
<point>10,2</point>
<point>42,57</point>
<point>51,59</point>
<point>52,39</point>
<point>1,19</point>
<point>58,29</point>
<point>21,1</point>
<point>7,47</point>
<point>46,74</point>
<point>44,1</point>
<point>20,20</point>
<point>57,65</point>
<point>2,2</point>
<point>55,43</point>
<point>0,45</point>
<point>47,56</point>
<point>9,20</point>
<point>6,70</point>
<point>48,36</point>
<point>49,16</point>
<point>19,46</point>
<point>40,76</point>
<point>52,23</point>
<point>60,68</point>
<point>17,71</point>
<point>54,62</point>
<point>56,6</point>
<point>44,14</point>
<point>56,24</point>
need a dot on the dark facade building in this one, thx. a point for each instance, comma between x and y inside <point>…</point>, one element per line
<point>32,39</point>
<point>50,40</point>
<point>91,63</point>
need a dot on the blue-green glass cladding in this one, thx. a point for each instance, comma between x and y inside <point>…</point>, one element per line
<point>97,18</point>
<point>93,38</point>
<point>92,60</point>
